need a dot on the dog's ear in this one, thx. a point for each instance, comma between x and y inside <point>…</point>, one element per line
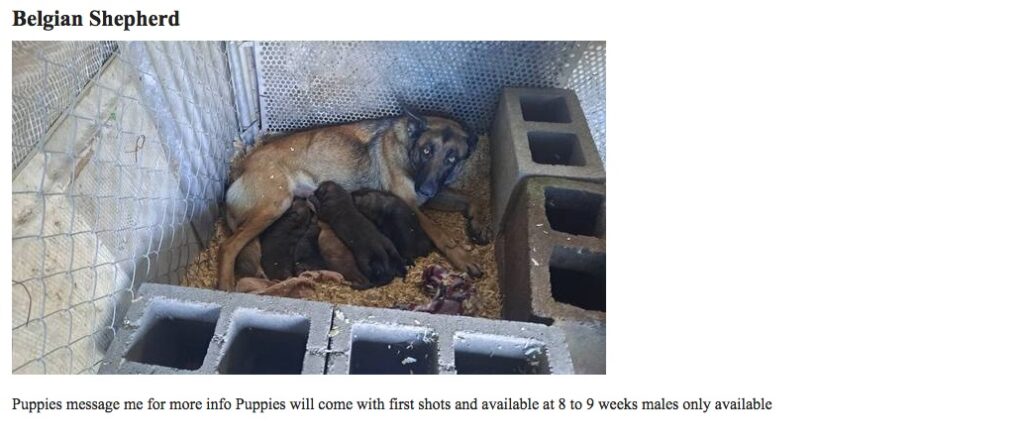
<point>417,124</point>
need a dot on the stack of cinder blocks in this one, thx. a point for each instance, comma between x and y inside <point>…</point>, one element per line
<point>177,330</point>
<point>549,201</point>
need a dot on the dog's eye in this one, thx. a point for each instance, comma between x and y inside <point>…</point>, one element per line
<point>426,150</point>
<point>451,159</point>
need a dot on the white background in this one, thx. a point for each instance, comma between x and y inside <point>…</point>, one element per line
<point>820,205</point>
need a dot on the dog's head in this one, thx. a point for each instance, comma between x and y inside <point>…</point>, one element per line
<point>299,216</point>
<point>437,152</point>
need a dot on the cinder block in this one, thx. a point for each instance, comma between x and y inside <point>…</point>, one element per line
<point>176,330</point>
<point>586,340</point>
<point>389,341</point>
<point>551,254</point>
<point>539,132</point>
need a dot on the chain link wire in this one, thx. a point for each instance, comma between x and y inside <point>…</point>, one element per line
<point>123,152</point>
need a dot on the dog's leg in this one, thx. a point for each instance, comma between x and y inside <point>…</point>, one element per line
<point>253,215</point>
<point>294,287</point>
<point>459,258</point>
<point>249,230</point>
<point>448,246</point>
<point>248,262</point>
<point>452,201</point>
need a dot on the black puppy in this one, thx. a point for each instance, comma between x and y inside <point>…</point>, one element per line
<point>396,220</point>
<point>307,249</point>
<point>280,242</point>
<point>375,255</point>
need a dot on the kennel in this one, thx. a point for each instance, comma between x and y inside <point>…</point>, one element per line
<point>122,151</point>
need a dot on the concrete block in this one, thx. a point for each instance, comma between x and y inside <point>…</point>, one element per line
<point>551,254</point>
<point>389,341</point>
<point>179,330</point>
<point>586,340</point>
<point>539,132</point>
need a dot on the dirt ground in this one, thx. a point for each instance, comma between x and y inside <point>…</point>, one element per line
<point>487,303</point>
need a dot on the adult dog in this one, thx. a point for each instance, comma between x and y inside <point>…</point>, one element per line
<point>410,156</point>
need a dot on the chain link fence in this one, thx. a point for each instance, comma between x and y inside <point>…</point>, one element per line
<point>121,157</point>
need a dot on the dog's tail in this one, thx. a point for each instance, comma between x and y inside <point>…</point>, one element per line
<point>238,154</point>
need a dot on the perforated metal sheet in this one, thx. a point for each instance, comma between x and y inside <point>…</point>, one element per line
<point>305,84</point>
<point>47,77</point>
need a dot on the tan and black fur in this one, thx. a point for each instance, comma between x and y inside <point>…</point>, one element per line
<point>412,157</point>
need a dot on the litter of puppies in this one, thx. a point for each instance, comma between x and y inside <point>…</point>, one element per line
<point>339,279</point>
<point>486,303</point>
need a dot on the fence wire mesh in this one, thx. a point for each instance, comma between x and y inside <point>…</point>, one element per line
<point>122,154</point>
<point>305,84</point>
<point>46,79</point>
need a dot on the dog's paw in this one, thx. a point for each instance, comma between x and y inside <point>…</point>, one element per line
<point>474,269</point>
<point>461,260</point>
<point>226,284</point>
<point>479,232</point>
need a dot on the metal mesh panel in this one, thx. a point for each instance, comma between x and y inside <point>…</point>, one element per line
<point>305,84</point>
<point>47,78</point>
<point>587,80</point>
<point>122,189</point>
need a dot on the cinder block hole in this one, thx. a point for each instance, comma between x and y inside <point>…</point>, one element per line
<point>539,108</point>
<point>388,349</point>
<point>174,334</point>
<point>496,354</point>
<point>555,148</point>
<point>265,343</point>
<point>574,212</point>
<point>578,277</point>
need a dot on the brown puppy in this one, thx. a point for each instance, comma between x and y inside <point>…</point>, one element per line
<point>375,255</point>
<point>278,242</point>
<point>338,258</point>
<point>307,249</point>
<point>412,157</point>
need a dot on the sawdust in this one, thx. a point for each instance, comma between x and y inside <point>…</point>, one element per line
<point>487,303</point>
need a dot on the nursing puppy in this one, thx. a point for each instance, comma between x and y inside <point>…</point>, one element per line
<point>396,220</point>
<point>286,236</point>
<point>338,258</point>
<point>375,255</point>
<point>410,156</point>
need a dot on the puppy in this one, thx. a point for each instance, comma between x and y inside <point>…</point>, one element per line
<point>338,258</point>
<point>375,255</point>
<point>396,220</point>
<point>307,250</point>
<point>278,242</point>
